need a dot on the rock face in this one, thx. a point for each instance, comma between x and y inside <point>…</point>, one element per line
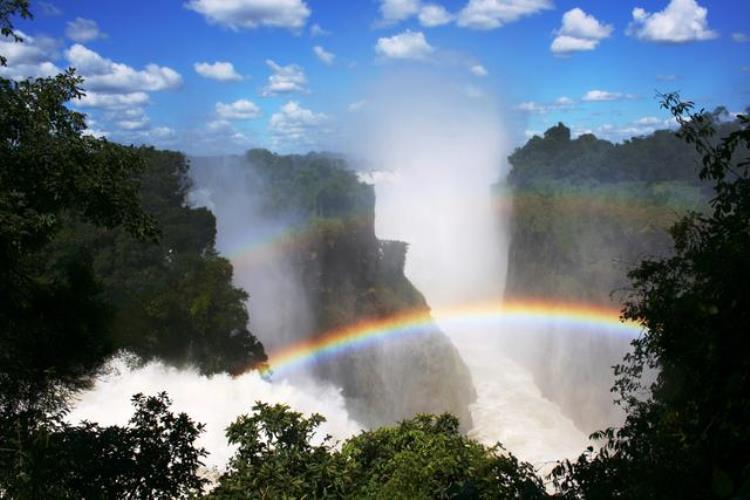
<point>584,212</point>
<point>328,271</point>
<point>351,276</point>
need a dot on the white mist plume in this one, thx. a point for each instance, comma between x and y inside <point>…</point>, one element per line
<point>216,401</point>
<point>279,313</point>
<point>444,152</point>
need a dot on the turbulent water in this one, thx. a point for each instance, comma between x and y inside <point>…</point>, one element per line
<point>510,408</point>
<point>215,401</point>
<point>278,315</point>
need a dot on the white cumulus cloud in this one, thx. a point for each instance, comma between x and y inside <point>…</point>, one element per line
<point>478,70</point>
<point>103,75</point>
<point>141,123</point>
<point>31,58</point>
<point>83,30</point>
<point>406,45</point>
<point>428,14</point>
<point>317,30</point>
<point>579,32</point>
<point>604,95</point>
<point>241,109</point>
<point>431,15</point>
<point>560,104</point>
<point>638,128</point>
<point>393,11</point>
<point>113,101</point>
<point>740,37</point>
<point>681,21</point>
<point>491,14</point>
<point>251,14</point>
<point>324,56</point>
<point>219,70</point>
<point>284,79</point>
<point>648,120</point>
<point>296,125</point>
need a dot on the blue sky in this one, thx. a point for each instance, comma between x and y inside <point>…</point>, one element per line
<point>211,76</point>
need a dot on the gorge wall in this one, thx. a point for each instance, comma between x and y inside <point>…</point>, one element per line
<point>583,212</point>
<point>311,262</point>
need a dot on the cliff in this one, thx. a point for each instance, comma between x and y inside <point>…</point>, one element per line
<point>328,271</point>
<point>583,212</point>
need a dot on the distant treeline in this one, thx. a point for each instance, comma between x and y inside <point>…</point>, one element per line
<point>585,210</point>
<point>653,158</point>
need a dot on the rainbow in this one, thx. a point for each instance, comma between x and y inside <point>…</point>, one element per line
<point>505,315</point>
<point>614,204</point>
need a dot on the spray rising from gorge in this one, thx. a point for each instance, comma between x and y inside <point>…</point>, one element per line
<point>324,259</point>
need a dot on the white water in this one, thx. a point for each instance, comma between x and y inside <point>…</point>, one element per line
<point>215,401</point>
<point>510,408</point>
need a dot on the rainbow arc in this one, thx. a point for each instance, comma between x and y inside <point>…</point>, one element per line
<point>495,315</point>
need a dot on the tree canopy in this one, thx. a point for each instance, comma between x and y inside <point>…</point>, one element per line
<point>423,457</point>
<point>80,218</point>
<point>686,433</point>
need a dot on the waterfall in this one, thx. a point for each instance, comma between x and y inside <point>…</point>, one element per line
<point>444,153</point>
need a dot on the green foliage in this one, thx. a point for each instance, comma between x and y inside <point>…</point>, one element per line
<point>53,323</point>
<point>61,189</point>
<point>153,457</point>
<point>313,185</point>
<point>50,167</point>
<point>658,157</point>
<point>276,457</point>
<point>688,436</point>
<point>174,299</point>
<point>425,457</point>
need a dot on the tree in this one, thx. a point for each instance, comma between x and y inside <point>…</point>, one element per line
<point>55,326</point>
<point>424,457</point>
<point>153,457</point>
<point>276,458</point>
<point>173,299</point>
<point>427,457</point>
<point>688,437</point>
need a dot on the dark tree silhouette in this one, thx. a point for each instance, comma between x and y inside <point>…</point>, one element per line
<point>686,434</point>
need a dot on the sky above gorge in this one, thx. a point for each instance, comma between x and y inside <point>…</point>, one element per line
<point>222,76</point>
